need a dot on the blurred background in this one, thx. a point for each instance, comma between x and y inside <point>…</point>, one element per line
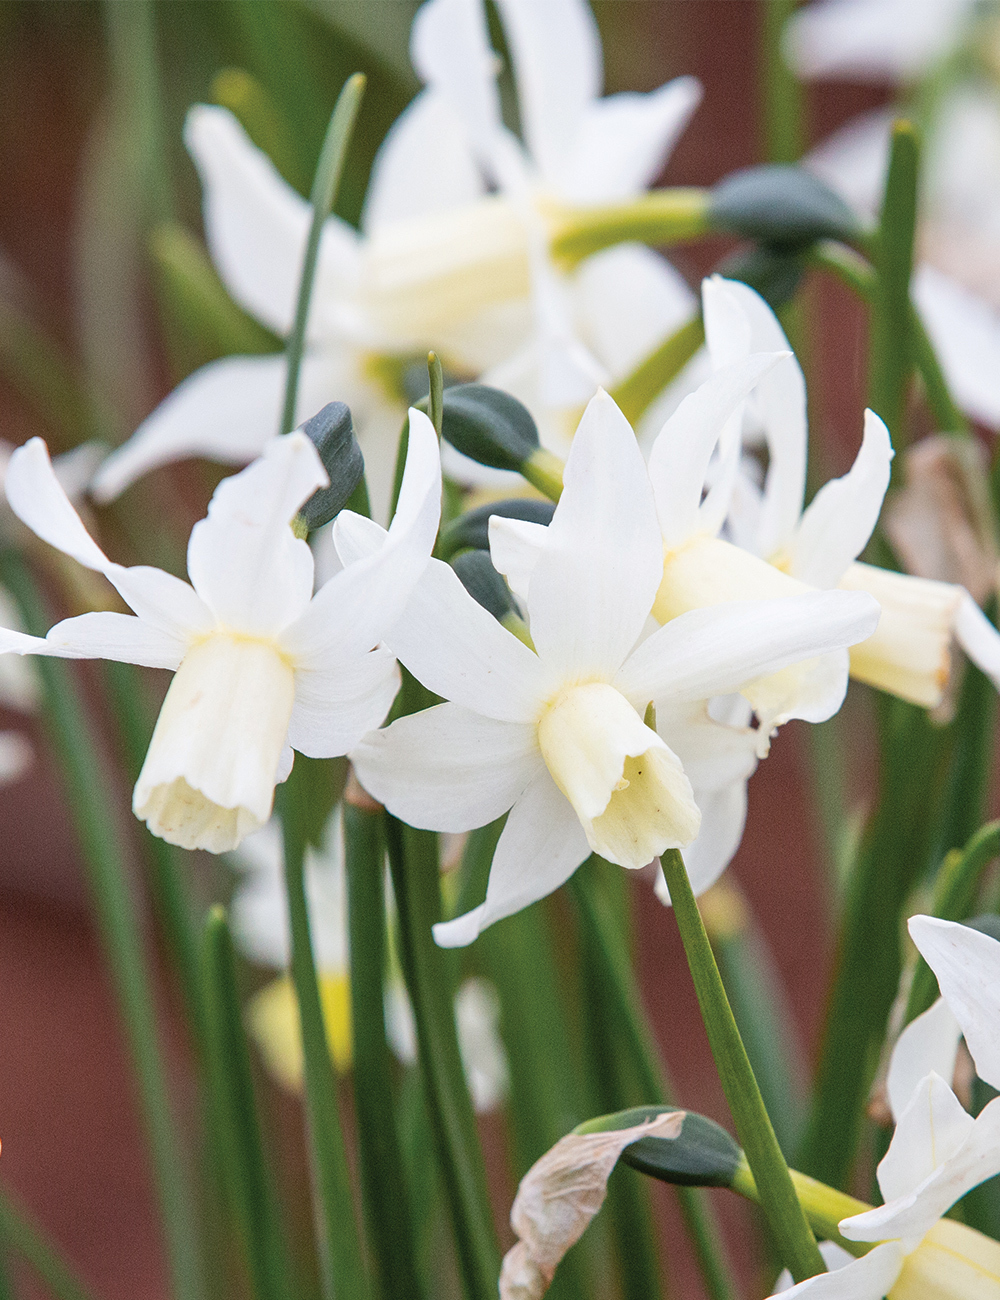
<point>89,166</point>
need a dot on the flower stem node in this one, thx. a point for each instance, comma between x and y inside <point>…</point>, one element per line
<point>627,788</point>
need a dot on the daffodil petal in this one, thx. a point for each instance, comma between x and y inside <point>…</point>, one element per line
<point>678,462</point>
<point>836,526</point>
<point>967,966</point>
<point>354,610</point>
<point>716,650</point>
<point>556,50</point>
<point>257,225</point>
<point>909,1217</point>
<point>965,331</point>
<point>460,651</point>
<point>623,141</point>
<point>780,399</point>
<point>450,49</point>
<point>243,558</point>
<point>227,411</point>
<point>335,707</point>
<point>36,496</point>
<point>928,1043</point>
<point>515,545</point>
<point>540,847</point>
<point>594,582</point>
<point>872,40</point>
<point>978,637</point>
<point>447,768</point>
<point>868,1278</point>
<point>402,186</point>
<point>931,1129</point>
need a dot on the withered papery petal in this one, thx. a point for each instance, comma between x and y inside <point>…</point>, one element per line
<point>558,1197</point>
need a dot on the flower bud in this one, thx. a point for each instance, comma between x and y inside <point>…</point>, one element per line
<point>485,585</point>
<point>780,205</point>
<point>471,531</point>
<point>489,426</point>
<point>331,432</point>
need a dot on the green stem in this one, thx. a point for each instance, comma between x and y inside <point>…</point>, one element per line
<point>795,1241</point>
<point>637,391</point>
<point>782,101</point>
<point>121,932</point>
<point>890,347</point>
<point>385,1194</point>
<point>954,899</point>
<point>324,193</point>
<point>341,1264</point>
<point>251,1193</point>
<point>19,1230</point>
<point>131,32</point>
<point>413,858</point>
<point>656,217</point>
<point>823,1206</point>
<point>699,1217</point>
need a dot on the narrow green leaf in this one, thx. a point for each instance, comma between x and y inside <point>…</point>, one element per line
<point>201,320</point>
<point>954,900</point>
<point>892,857</point>
<point>890,346</point>
<point>783,104</point>
<point>250,1190</point>
<point>341,1264</point>
<point>413,858</point>
<point>24,1235</point>
<point>324,193</point>
<point>121,932</point>
<point>794,1238</point>
<point>385,1193</point>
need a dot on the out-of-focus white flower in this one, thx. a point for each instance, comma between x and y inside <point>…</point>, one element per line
<point>453,254</point>
<point>557,736</point>
<point>938,1151</point>
<point>262,665</point>
<point>259,919</point>
<point>910,652</point>
<point>956,285</point>
<point>877,40</point>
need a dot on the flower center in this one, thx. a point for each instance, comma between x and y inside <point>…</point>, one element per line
<point>209,776</point>
<point>627,788</point>
<point>953,1262</point>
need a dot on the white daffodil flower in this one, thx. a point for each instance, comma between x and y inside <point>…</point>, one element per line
<point>444,261</point>
<point>910,652</point>
<point>938,1151</point>
<point>262,665</point>
<point>259,918</point>
<point>956,285</point>
<point>490,259</point>
<point>556,735</point>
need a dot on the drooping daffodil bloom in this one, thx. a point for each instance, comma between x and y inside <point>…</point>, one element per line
<point>556,734</point>
<point>949,46</point>
<point>938,1151</point>
<point>259,919</point>
<point>452,254</point>
<point>262,665</point>
<point>910,652</point>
